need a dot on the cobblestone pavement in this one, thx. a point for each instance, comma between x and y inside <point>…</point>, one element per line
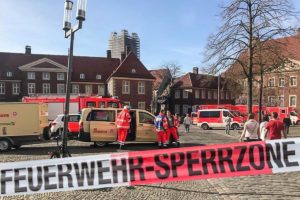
<point>278,186</point>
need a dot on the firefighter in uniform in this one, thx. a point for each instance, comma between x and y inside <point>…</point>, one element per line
<point>123,124</point>
<point>176,123</point>
<point>169,125</point>
<point>161,134</point>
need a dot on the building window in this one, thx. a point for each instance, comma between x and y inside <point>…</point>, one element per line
<point>46,76</point>
<point>60,88</point>
<point>75,88</point>
<point>227,95</point>
<point>222,95</point>
<point>101,90</point>
<point>133,71</point>
<point>16,88</point>
<point>31,75</point>
<point>185,94</point>
<point>293,81</point>
<point>281,101</point>
<point>209,95</point>
<point>272,82</point>
<point>141,87</point>
<point>197,94</point>
<point>31,88</point>
<point>177,108</point>
<point>98,76</point>
<point>2,88</point>
<point>82,76</point>
<point>215,95</point>
<point>60,76</point>
<point>141,105</point>
<point>272,100</point>
<point>126,103</point>
<point>88,89</point>
<point>281,82</point>
<point>9,74</point>
<point>293,100</point>
<point>125,87</point>
<point>177,94</point>
<point>46,88</point>
<point>203,94</point>
<point>185,109</point>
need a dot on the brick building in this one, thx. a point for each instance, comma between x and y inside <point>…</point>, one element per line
<point>193,89</point>
<point>35,74</point>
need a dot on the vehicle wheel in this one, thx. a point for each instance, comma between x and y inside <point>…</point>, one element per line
<point>16,146</point>
<point>5,145</point>
<point>205,126</point>
<point>235,126</point>
<point>100,144</point>
<point>47,133</point>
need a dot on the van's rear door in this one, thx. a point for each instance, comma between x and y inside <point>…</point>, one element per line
<point>103,125</point>
<point>145,127</point>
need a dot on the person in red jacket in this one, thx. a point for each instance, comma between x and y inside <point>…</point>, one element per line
<point>170,128</point>
<point>176,123</point>
<point>275,127</point>
<point>123,124</point>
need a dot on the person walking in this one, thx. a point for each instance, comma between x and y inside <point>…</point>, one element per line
<point>170,128</point>
<point>187,122</point>
<point>275,128</point>
<point>161,134</point>
<point>227,124</point>
<point>123,125</point>
<point>176,122</point>
<point>287,122</point>
<point>263,132</point>
<point>251,129</point>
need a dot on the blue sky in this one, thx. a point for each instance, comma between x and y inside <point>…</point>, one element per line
<point>169,30</point>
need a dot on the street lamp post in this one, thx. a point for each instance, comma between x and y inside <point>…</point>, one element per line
<point>70,32</point>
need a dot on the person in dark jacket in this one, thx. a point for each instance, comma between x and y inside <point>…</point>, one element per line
<point>287,122</point>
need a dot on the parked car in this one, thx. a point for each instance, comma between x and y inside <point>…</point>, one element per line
<point>57,125</point>
<point>98,125</point>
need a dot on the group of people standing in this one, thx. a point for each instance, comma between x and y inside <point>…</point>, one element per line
<point>167,126</point>
<point>270,128</point>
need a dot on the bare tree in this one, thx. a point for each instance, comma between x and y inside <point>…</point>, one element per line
<point>174,70</point>
<point>244,23</point>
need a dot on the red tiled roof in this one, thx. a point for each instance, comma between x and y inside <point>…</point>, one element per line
<point>159,75</point>
<point>131,62</point>
<point>191,80</point>
<point>90,66</point>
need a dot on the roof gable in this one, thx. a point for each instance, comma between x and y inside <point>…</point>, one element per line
<point>44,64</point>
<point>132,67</point>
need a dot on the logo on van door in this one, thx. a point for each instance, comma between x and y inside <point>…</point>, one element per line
<point>99,131</point>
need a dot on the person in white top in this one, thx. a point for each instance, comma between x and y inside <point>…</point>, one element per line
<point>187,122</point>
<point>251,129</point>
<point>262,128</point>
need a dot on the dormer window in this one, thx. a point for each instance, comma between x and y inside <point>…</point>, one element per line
<point>9,74</point>
<point>98,77</point>
<point>133,71</point>
<point>82,76</point>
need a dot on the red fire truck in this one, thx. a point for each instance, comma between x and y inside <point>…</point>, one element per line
<point>56,104</point>
<point>283,112</point>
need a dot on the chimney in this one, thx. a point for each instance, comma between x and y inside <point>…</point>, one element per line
<point>195,70</point>
<point>27,50</point>
<point>123,56</point>
<point>108,53</point>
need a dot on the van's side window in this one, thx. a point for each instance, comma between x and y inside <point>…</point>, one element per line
<point>225,113</point>
<point>112,104</point>
<point>103,115</point>
<point>90,104</point>
<point>210,114</point>
<point>74,118</point>
<point>101,104</point>
<point>146,118</point>
<point>204,114</point>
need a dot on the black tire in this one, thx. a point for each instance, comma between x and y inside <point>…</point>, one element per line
<point>235,126</point>
<point>16,146</point>
<point>100,144</point>
<point>47,133</point>
<point>5,144</point>
<point>205,126</point>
